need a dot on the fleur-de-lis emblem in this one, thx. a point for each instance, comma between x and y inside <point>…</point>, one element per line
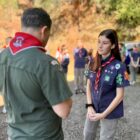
<point>18,42</point>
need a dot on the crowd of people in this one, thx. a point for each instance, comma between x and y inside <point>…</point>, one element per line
<point>35,88</point>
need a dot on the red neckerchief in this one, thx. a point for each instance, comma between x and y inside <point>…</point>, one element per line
<point>23,41</point>
<point>99,71</point>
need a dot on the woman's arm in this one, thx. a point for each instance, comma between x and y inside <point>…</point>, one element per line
<point>112,106</point>
<point>138,61</point>
<point>132,61</point>
<point>88,93</point>
<point>115,102</point>
<point>90,109</point>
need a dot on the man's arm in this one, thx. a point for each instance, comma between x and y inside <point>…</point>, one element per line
<point>63,109</point>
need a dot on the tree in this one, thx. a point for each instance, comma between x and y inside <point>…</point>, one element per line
<point>128,13</point>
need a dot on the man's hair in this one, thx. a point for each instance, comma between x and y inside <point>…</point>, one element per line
<point>36,18</point>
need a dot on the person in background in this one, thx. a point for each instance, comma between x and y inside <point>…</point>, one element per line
<point>58,54</point>
<point>47,50</point>
<point>7,41</point>
<point>105,88</point>
<point>134,64</point>
<point>65,59</point>
<point>89,62</point>
<point>122,49</point>
<point>35,90</point>
<point>80,54</point>
<point>90,58</point>
<point>124,52</point>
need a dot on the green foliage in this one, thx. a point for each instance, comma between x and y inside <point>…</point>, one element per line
<point>9,3</point>
<point>108,5</point>
<point>47,4</point>
<point>2,2</point>
<point>128,13</point>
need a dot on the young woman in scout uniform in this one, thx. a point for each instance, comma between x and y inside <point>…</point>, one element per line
<point>105,88</point>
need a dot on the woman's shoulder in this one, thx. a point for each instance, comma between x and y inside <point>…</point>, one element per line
<point>119,64</point>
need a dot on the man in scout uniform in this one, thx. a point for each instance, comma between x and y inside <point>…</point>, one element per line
<point>80,54</point>
<point>35,91</point>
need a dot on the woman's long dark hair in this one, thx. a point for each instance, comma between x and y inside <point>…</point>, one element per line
<point>112,36</point>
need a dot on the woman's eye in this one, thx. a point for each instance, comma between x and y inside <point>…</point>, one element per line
<point>105,42</point>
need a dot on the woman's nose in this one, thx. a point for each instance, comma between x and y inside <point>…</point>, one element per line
<point>100,45</point>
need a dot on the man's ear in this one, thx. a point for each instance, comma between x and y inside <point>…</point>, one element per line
<point>43,31</point>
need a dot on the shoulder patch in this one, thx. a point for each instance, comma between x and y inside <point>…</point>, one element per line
<point>126,75</point>
<point>54,62</point>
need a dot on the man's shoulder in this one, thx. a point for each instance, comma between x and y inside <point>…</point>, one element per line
<point>50,62</point>
<point>4,54</point>
<point>50,59</point>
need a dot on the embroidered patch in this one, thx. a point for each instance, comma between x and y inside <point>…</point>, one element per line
<point>54,62</point>
<point>119,79</point>
<point>126,75</point>
<point>19,41</point>
<point>107,78</point>
<point>117,66</point>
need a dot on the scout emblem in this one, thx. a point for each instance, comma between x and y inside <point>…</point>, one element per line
<point>19,41</point>
<point>54,62</point>
<point>117,66</point>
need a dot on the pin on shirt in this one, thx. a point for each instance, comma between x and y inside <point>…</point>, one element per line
<point>112,67</point>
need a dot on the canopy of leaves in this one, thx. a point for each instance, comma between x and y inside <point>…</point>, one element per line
<point>127,12</point>
<point>9,3</point>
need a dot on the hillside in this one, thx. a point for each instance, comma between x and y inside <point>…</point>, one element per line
<point>66,29</point>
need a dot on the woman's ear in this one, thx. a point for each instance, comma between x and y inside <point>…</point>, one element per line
<point>113,46</point>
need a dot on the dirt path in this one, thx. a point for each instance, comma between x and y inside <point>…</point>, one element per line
<point>128,128</point>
